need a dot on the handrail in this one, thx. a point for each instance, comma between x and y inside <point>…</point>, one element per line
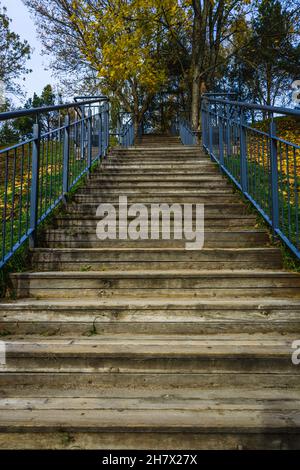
<point>37,174</point>
<point>262,163</point>
<point>46,109</point>
<point>187,136</point>
<point>258,107</point>
<point>127,134</point>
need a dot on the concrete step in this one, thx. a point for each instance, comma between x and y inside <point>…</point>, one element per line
<point>124,259</point>
<point>87,317</point>
<point>198,284</point>
<point>85,236</point>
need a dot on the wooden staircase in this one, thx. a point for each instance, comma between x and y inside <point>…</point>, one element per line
<point>144,344</point>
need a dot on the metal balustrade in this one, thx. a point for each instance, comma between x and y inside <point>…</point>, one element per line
<point>187,136</point>
<point>127,134</point>
<point>37,173</point>
<point>242,138</point>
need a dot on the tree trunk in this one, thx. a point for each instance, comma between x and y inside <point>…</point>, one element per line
<point>195,99</point>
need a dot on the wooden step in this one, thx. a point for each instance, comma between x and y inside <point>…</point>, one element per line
<point>147,316</point>
<point>143,344</point>
<point>203,284</point>
<point>165,424</point>
<point>123,259</point>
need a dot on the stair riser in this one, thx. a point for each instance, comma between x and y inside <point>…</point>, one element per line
<point>142,148</point>
<point>143,287</point>
<point>194,188</point>
<point>91,320</point>
<point>99,381</point>
<point>68,438</point>
<point>80,238</point>
<point>198,260</point>
<point>142,244</point>
<point>164,186</point>
<point>85,327</point>
<point>220,209</point>
<point>163,173</point>
<point>152,159</point>
<point>138,364</point>
<point>234,223</point>
<point>153,265</point>
<point>153,196</point>
<point>168,178</point>
<point>197,166</point>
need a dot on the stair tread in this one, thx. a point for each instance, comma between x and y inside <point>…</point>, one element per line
<point>179,402</point>
<point>160,273</point>
<point>159,394</point>
<point>155,250</point>
<point>205,346</point>
<point>206,420</point>
<point>163,302</point>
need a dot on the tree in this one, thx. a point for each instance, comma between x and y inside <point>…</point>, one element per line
<point>122,42</point>
<point>271,61</point>
<point>24,125</point>
<point>215,23</point>
<point>13,54</point>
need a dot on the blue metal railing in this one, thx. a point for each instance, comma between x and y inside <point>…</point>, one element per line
<point>37,173</point>
<point>187,136</point>
<point>243,140</point>
<point>127,134</point>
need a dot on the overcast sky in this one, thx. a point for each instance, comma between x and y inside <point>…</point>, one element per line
<point>23,25</point>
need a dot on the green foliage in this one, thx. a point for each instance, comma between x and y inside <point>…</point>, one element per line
<point>24,125</point>
<point>13,54</point>
<point>270,59</point>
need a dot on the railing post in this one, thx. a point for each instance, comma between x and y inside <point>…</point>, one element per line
<point>221,143</point>
<point>106,127</point>
<point>100,132</point>
<point>274,176</point>
<point>66,155</point>
<point>228,133</point>
<point>210,134</point>
<point>34,195</point>
<point>203,125</point>
<point>103,145</point>
<point>82,136</point>
<point>89,142</point>
<point>243,153</point>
